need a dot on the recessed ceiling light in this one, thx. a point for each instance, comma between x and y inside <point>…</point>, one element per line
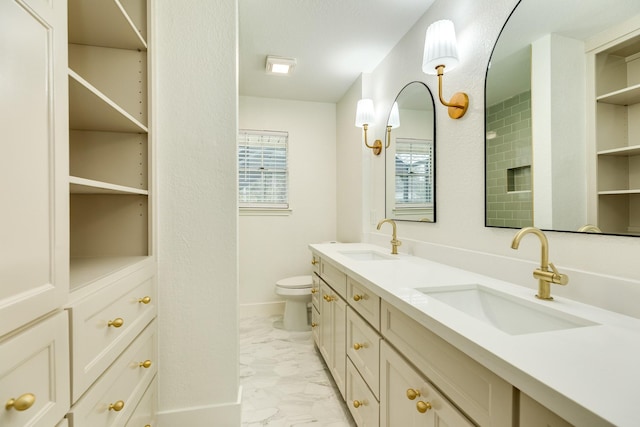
<point>279,65</point>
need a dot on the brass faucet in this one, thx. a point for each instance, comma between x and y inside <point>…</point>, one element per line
<point>544,276</point>
<point>394,238</point>
<point>589,228</point>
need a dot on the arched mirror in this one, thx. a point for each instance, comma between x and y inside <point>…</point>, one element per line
<point>410,156</point>
<point>562,112</point>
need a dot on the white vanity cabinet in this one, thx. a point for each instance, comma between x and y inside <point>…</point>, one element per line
<point>407,399</point>
<point>333,317</point>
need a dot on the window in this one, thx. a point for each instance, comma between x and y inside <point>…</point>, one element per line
<point>414,173</point>
<point>262,169</point>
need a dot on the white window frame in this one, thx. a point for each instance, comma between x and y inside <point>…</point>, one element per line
<point>261,141</point>
<point>428,205</point>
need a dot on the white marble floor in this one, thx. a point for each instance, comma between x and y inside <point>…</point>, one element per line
<point>284,381</point>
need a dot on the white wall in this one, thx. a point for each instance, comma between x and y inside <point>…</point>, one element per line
<point>595,263</point>
<point>274,247</point>
<point>195,119</point>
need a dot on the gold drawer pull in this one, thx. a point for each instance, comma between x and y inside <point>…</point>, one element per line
<point>358,297</point>
<point>314,324</point>
<point>314,290</point>
<point>359,403</point>
<point>423,407</point>
<point>328,298</point>
<point>146,364</point>
<point>116,323</point>
<point>358,346</point>
<point>145,300</point>
<point>412,393</point>
<point>313,261</point>
<point>116,406</point>
<point>22,403</point>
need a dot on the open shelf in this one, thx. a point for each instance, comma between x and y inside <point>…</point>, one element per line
<point>88,186</point>
<point>622,152</point>
<point>615,192</point>
<point>90,109</point>
<point>627,96</point>
<point>105,23</point>
<point>84,271</point>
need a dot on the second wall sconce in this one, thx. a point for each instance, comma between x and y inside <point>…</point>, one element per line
<point>440,52</point>
<point>364,117</point>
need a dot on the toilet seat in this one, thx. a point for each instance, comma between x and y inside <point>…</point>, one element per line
<point>296,282</point>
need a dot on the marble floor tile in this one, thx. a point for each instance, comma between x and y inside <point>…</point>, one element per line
<point>285,383</point>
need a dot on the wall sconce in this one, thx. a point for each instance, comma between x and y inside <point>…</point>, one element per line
<point>440,52</point>
<point>364,117</point>
<point>393,122</point>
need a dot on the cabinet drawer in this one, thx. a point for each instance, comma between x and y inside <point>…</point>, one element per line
<point>36,361</point>
<point>123,383</point>
<point>96,344</point>
<point>145,412</point>
<point>480,393</point>
<point>334,277</point>
<point>408,400</point>
<point>315,290</point>
<point>363,405</point>
<point>365,302</point>
<point>363,348</point>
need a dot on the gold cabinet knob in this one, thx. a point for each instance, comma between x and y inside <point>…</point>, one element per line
<point>314,324</point>
<point>21,403</point>
<point>116,323</point>
<point>328,298</point>
<point>357,297</point>
<point>423,407</point>
<point>314,290</point>
<point>358,403</point>
<point>116,406</point>
<point>314,261</point>
<point>412,393</point>
<point>145,300</point>
<point>146,364</point>
<point>358,346</point>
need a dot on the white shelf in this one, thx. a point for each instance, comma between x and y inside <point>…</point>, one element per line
<point>626,96</point>
<point>88,186</point>
<point>103,23</point>
<point>90,109</point>
<point>618,192</point>
<point>84,271</point>
<point>621,152</point>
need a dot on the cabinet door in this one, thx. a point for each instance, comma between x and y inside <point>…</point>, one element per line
<point>408,400</point>
<point>33,160</point>
<point>324,335</point>
<point>332,334</point>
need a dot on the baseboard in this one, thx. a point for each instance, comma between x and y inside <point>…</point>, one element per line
<point>222,415</point>
<point>261,309</point>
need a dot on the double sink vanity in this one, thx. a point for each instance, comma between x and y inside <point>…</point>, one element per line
<point>411,342</point>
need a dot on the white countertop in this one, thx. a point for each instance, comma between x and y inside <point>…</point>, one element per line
<point>585,374</point>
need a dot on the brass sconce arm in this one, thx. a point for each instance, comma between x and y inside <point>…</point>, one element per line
<point>459,102</point>
<point>377,144</point>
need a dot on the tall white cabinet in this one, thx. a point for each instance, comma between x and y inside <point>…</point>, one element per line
<point>77,263</point>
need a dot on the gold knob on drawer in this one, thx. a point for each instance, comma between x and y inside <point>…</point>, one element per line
<point>314,324</point>
<point>22,403</point>
<point>116,406</point>
<point>412,393</point>
<point>358,297</point>
<point>314,290</point>
<point>358,346</point>
<point>116,323</point>
<point>423,407</point>
<point>328,298</point>
<point>358,403</point>
<point>314,261</point>
<point>146,364</point>
<point>145,300</point>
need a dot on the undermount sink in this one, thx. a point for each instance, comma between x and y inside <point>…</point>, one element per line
<point>367,255</point>
<point>505,312</point>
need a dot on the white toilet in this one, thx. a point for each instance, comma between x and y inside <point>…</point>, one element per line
<point>297,293</point>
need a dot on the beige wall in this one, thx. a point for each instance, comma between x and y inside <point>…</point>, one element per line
<point>274,247</point>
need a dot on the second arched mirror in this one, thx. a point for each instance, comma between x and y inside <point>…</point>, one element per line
<point>410,156</point>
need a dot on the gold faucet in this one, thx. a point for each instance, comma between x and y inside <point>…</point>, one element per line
<point>544,276</point>
<point>589,228</point>
<point>394,238</point>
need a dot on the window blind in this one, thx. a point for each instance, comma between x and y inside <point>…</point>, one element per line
<point>263,169</point>
<point>414,172</point>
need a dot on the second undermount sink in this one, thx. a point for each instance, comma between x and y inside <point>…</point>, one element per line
<point>505,312</point>
<point>367,255</point>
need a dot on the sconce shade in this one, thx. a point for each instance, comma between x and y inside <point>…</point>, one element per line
<point>394,117</point>
<point>440,47</point>
<point>364,113</point>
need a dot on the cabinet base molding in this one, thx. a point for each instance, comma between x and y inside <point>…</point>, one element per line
<point>223,414</point>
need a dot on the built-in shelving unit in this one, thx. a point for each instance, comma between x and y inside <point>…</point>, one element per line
<point>108,140</point>
<point>617,85</point>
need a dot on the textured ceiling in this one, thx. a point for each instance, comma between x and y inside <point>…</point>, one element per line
<point>333,41</point>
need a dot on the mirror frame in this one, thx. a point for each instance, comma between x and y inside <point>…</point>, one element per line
<point>387,208</point>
